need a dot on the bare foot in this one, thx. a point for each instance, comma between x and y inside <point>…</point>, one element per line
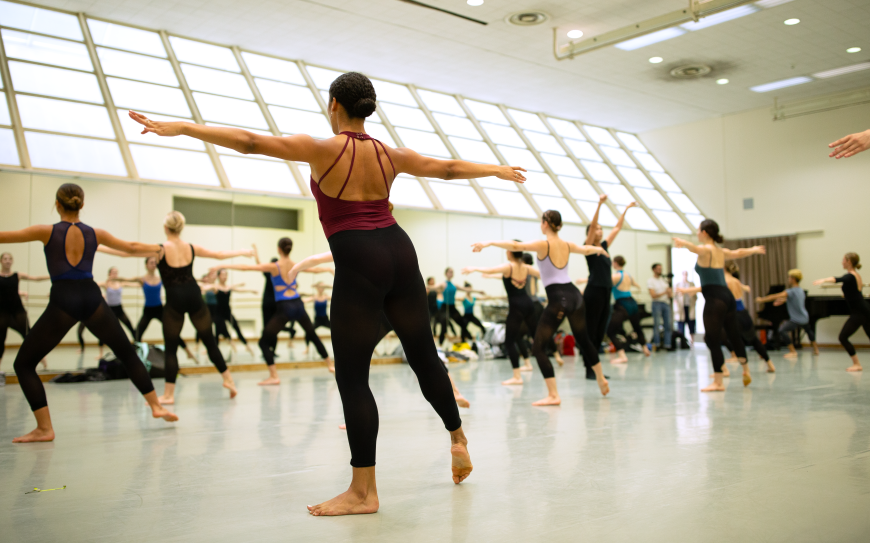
<point>549,400</point>
<point>559,359</point>
<point>646,351</point>
<point>620,360</point>
<point>725,371</point>
<point>346,503</point>
<point>342,426</point>
<point>461,401</point>
<point>231,386</point>
<point>526,367</point>
<point>604,386</point>
<point>461,465</point>
<point>44,363</point>
<point>331,369</point>
<point>790,356</point>
<point>770,367</point>
<point>164,414</point>
<point>855,367</point>
<point>732,361</point>
<point>270,381</point>
<point>512,381</point>
<point>36,436</point>
<point>714,387</point>
<point>746,379</point>
<point>166,400</point>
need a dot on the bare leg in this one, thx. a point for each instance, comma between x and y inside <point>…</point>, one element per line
<point>815,349</point>
<point>168,397</point>
<point>558,358</point>
<point>527,365</point>
<point>716,386</point>
<point>621,357</point>
<point>517,378</point>
<point>725,371</point>
<point>273,377</point>
<point>746,377</point>
<point>360,499</point>
<point>229,384</point>
<point>190,354</point>
<point>770,367</point>
<point>602,380</point>
<point>157,410</point>
<point>330,364</point>
<point>460,399</point>
<point>552,393</point>
<point>44,430</point>
<point>792,353</point>
<point>646,350</point>
<point>856,366</point>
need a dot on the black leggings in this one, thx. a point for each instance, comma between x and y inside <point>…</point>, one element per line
<point>616,329</point>
<point>598,315</point>
<point>16,321</point>
<point>855,321</point>
<point>377,271</point>
<point>749,335</point>
<point>439,319</point>
<point>319,320</point>
<point>181,299</point>
<point>118,310</point>
<point>720,320</point>
<point>471,319</point>
<point>149,313</point>
<point>563,301</point>
<point>520,310</point>
<point>220,326</point>
<point>285,311</point>
<point>71,301</point>
<point>449,312</point>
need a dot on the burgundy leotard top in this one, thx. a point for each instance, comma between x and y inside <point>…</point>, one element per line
<point>336,214</point>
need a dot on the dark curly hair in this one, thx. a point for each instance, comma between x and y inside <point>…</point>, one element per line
<point>355,92</point>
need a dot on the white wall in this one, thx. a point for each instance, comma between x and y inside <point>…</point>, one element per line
<point>135,211</point>
<point>784,167</point>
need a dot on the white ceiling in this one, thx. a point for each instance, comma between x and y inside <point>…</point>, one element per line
<point>513,65</point>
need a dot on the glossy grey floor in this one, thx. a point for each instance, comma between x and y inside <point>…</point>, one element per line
<point>787,459</point>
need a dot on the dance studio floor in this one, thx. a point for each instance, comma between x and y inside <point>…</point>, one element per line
<point>787,459</point>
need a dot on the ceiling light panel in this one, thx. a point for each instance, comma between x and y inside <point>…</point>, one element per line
<point>649,39</point>
<point>718,18</point>
<point>842,71</point>
<point>767,87</point>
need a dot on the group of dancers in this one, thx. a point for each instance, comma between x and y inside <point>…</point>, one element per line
<point>378,285</point>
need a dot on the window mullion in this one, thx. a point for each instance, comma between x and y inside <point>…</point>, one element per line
<point>273,127</point>
<point>194,110</point>
<point>313,87</point>
<point>526,194</point>
<point>17,128</point>
<point>628,187</point>
<point>473,182</point>
<point>107,99</point>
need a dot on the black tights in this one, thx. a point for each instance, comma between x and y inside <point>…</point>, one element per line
<point>220,326</point>
<point>449,312</point>
<point>286,311</point>
<point>118,310</point>
<point>181,299</point>
<point>563,301</point>
<point>855,321</point>
<point>71,301</point>
<point>617,326</point>
<point>16,321</point>
<point>720,321</point>
<point>377,271</point>
<point>471,319</point>
<point>597,300</point>
<point>149,313</point>
<point>520,310</point>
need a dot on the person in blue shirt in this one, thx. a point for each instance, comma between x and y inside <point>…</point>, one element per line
<point>468,308</point>
<point>448,311</point>
<point>795,299</point>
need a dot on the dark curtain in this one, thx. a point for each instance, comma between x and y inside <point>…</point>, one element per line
<point>761,272</point>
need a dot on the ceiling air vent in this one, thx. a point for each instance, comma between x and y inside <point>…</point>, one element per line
<point>527,18</point>
<point>691,71</point>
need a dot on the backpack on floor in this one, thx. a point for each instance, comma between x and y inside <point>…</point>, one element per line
<point>154,359</point>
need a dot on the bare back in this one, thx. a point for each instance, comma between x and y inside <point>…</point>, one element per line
<point>354,169</point>
<point>714,258</point>
<point>177,253</point>
<point>558,251</point>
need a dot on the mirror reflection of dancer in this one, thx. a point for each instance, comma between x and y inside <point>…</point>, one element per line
<point>12,312</point>
<point>625,308</point>
<point>720,307</point>
<point>468,309</point>
<point>269,305</point>
<point>859,310</point>
<point>74,296</point>
<point>596,295</point>
<point>321,309</point>
<point>563,299</point>
<point>114,287</point>
<point>223,313</point>
<point>434,304</point>
<point>288,306</point>
<point>375,263</point>
<point>795,300</point>
<point>448,308</point>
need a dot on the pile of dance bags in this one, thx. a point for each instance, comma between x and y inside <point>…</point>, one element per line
<point>110,368</point>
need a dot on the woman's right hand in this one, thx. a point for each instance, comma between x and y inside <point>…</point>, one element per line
<point>467,270</point>
<point>511,173</point>
<point>479,246</point>
<point>160,128</point>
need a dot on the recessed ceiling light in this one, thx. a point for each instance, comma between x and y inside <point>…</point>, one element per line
<point>789,22</point>
<point>656,60</point>
<point>853,50</point>
<point>475,2</point>
<point>574,34</point>
<point>722,81</point>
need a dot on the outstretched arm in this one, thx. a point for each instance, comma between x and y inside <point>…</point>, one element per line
<point>202,252</point>
<point>688,290</point>
<point>771,297</point>
<point>510,245</point>
<point>502,270</point>
<point>40,232</point>
<point>238,288</point>
<point>320,269</point>
<point>586,249</point>
<point>28,277</point>
<point>132,247</point>
<point>413,163</point>
<point>307,264</point>
<point>267,267</point>
<point>734,254</point>
<point>821,282</point>
<point>594,221</point>
<point>618,228</point>
<point>124,254</point>
<point>697,249</point>
<point>850,145</point>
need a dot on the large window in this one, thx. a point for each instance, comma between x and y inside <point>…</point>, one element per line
<point>65,107</point>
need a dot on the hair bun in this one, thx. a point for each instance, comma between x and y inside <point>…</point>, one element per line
<point>364,107</point>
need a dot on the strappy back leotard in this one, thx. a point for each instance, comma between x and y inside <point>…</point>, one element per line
<point>283,291</point>
<point>59,266</point>
<point>550,273</point>
<point>336,214</point>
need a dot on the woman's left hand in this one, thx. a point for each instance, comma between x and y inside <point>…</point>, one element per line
<point>511,173</point>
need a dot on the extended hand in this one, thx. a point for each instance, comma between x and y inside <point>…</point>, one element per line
<point>157,127</point>
<point>466,270</point>
<point>850,145</point>
<point>511,173</point>
<point>479,246</point>
<point>679,243</point>
<point>761,250</point>
<point>631,205</point>
<point>602,199</point>
<point>819,282</point>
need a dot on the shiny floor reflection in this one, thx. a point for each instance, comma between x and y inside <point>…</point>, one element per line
<point>787,459</point>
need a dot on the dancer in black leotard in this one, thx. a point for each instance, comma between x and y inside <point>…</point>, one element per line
<point>563,299</point>
<point>514,274</point>
<point>12,313</point>
<point>859,310</point>
<point>223,312</point>
<point>624,309</point>
<point>74,296</point>
<point>720,308</point>
<point>596,296</point>
<point>289,306</point>
<point>114,287</point>
<point>376,264</point>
